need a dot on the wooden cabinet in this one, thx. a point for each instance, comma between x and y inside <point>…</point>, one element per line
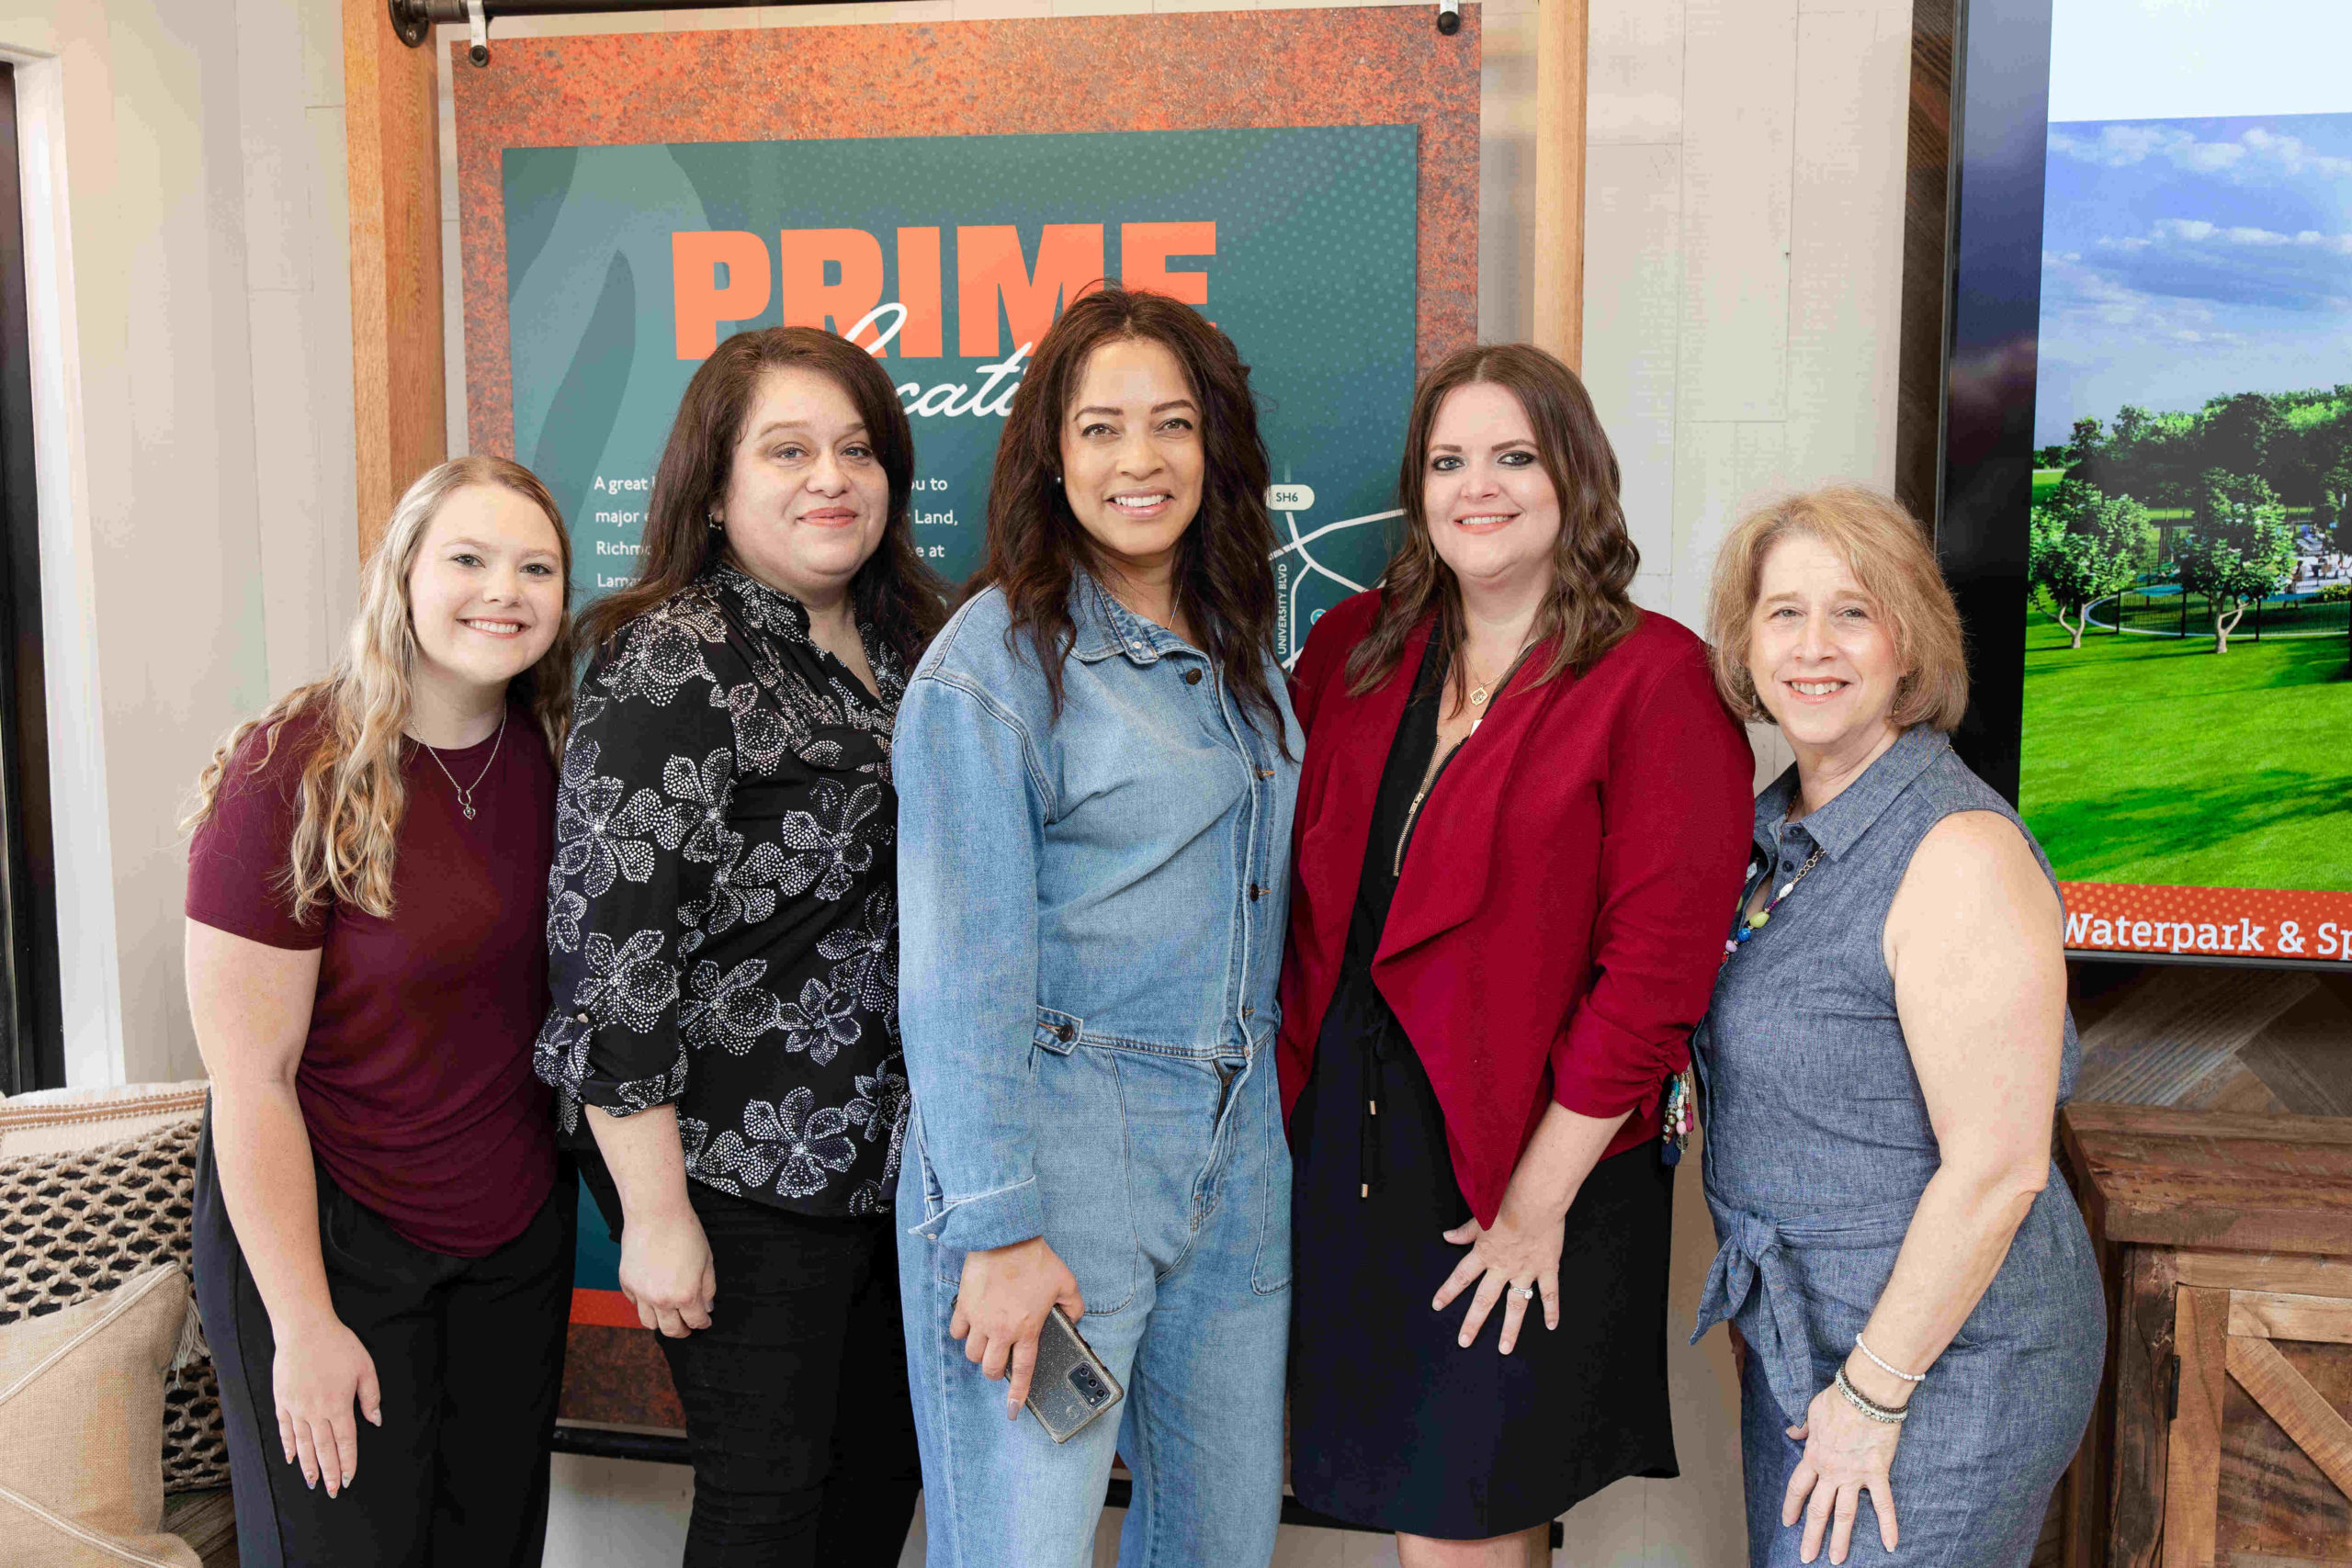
<point>2223,1438</point>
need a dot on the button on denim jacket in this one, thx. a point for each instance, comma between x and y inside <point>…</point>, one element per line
<point>1118,877</point>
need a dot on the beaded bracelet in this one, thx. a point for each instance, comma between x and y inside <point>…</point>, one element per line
<point>1869,1407</point>
<point>1882,1365</point>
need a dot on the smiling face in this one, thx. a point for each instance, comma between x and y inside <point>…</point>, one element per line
<point>1820,650</point>
<point>1132,459</point>
<point>486,591</point>
<point>807,498</point>
<point>1493,513</point>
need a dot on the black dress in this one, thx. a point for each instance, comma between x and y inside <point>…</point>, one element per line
<point>1392,1424</point>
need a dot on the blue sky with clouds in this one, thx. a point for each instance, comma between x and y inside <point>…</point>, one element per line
<point>2184,259</point>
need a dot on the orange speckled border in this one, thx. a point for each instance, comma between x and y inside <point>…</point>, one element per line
<point>2214,923</point>
<point>1180,72</point>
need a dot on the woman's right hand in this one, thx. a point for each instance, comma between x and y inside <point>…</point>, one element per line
<point>321,1369</point>
<point>666,1271</point>
<point>1001,1309</point>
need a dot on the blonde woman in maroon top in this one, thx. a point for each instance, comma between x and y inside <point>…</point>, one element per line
<point>383,1260</point>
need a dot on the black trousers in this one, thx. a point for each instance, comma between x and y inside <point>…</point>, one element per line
<point>795,1395</point>
<point>469,1354</point>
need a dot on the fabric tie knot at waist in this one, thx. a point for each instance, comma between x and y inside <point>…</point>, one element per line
<point>1752,1247</point>
<point>1759,1250</point>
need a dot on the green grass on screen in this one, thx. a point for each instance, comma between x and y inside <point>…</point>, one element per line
<point>2151,760</point>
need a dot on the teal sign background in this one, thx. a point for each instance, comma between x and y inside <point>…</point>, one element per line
<point>1312,278</point>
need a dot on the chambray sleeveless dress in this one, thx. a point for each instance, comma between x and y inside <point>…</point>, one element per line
<point>1817,1148</point>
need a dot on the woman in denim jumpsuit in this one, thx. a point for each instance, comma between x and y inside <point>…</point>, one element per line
<point>1096,768</point>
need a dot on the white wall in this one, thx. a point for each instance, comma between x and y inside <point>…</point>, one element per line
<point>195,440</point>
<point>1743,272</point>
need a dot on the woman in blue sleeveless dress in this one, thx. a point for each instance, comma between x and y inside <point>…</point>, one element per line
<point>1888,1043</point>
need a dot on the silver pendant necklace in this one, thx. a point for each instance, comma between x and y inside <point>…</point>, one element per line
<point>466,792</point>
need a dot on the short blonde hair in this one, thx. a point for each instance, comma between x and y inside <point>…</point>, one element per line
<point>1891,556</point>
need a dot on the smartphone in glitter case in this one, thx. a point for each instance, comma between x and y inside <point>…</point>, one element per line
<point>1071,1386</point>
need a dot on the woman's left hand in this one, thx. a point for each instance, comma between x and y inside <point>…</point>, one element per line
<point>1522,1250</point>
<point>1846,1453</point>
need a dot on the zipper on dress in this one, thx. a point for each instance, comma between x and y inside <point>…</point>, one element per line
<point>1413,812</point>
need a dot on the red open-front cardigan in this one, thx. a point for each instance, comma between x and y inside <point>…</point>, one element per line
<point>1560,920</point>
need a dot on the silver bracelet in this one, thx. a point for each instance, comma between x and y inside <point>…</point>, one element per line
<point>1882,1365</point>
<point>1871,1410</point>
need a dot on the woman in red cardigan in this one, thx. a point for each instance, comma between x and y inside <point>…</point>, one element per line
<point>1523,812</point>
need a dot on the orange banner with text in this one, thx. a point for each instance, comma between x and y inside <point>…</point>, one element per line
<point>2209,923</point>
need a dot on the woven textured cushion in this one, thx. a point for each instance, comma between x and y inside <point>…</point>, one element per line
<point>61,1120</point>
<point>81,1395</point>
<point>95,1188</point>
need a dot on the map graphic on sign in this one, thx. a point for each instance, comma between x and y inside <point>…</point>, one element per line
<point>950,256</point>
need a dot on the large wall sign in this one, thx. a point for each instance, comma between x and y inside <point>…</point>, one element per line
<point>938,193</point>
<point>1306,179</point>
<point>953,256</point>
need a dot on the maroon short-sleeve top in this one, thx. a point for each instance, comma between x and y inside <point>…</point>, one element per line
<point>415,1080</point>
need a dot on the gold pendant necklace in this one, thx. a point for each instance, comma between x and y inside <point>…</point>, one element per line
<point>1484,689</point>
<point>1480,692</point>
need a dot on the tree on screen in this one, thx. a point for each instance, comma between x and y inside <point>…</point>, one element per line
<point>2084,547</point>
<point>2246,434</point>
<point>2084,441</point>
<point>2334,520</point>
<point>2238,550</point>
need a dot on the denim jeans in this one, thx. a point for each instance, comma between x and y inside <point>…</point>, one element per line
<point>796,1394</point>
<point>1164,1179</point>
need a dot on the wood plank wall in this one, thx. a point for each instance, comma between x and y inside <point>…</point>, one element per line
<point>1561,35</point>
<point>392,145</point>
<point>1927,199</point>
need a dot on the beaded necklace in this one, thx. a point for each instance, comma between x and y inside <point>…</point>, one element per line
<point>1674,1106</point>
<point>1756,921</point>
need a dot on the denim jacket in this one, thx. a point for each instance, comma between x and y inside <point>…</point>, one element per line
<point>1117,877</point>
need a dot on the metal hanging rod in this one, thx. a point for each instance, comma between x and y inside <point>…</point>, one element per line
<point>413,21</point>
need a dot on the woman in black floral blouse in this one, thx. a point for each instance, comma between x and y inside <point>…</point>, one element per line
<point>722,931</point>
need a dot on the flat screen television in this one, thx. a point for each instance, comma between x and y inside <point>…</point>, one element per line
<point>2146,486</point>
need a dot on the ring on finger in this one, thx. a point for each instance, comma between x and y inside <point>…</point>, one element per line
<point>1524,1292</point>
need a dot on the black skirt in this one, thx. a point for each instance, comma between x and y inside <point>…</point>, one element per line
<point>1392,1424</point>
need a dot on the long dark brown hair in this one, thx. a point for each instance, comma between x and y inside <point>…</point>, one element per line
<point>1593,563</point>
<point>904,600</point>
<point>1224,584</point>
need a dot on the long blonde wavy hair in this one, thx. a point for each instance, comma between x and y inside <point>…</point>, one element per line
<point>351,795</point>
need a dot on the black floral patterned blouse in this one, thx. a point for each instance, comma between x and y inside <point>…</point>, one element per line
<point>722,918</point>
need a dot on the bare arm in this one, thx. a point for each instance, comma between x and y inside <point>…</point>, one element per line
<point>251,1004</point>
<point>666,1270</point>
<point>1974,944</point>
